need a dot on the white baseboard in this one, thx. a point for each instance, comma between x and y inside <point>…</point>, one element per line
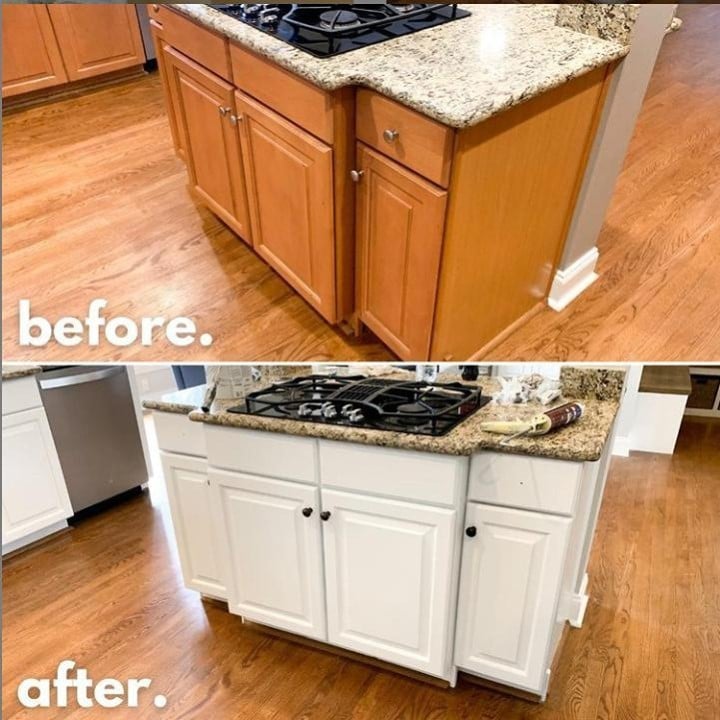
<point>577,604</point>
<point>621,446</point>
<point>34,536</point>
<point>572,281</point>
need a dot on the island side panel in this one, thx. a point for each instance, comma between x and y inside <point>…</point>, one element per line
<point>514,184</point>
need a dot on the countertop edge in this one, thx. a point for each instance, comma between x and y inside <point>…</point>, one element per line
<point>263,46</point>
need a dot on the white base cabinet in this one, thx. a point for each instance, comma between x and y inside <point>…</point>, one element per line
<point>389,576</point>
<point>273,551</point>
<point>34,495</point>
<point>198,542</point>
<point>511,577</point>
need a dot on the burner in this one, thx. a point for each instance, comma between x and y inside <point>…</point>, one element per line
<point>411,408</point>
<point>331,29</point>
<point>338,19</point>
<point>374,403</point>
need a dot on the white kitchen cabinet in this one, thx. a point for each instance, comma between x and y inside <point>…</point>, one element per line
<point>188,489</point>
<point>509,589</point>
<point>389,579</point>
<point>34,496</point>
<point>273,551</point>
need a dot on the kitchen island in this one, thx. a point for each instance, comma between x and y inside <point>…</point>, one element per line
<point>422,187</point>
<point>434,554</point>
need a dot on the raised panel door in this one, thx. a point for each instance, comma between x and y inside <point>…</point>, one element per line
<point>290,185</point>
<point>389,569</point>
<point>31,57</point>
<point>400,221</point>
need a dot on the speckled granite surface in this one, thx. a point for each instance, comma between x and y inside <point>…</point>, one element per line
<point>609,21</point>
<point>599,390</point>
<point>12,372</point>
<point>460,73</point>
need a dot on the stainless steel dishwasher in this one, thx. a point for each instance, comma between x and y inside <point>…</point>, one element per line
<point>95,428</point>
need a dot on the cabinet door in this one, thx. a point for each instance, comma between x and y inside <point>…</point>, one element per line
<point>389,569</point>
<point>509,588</point>
<point>273,551</point>
<point>34,495</point>
<point>400,221</point>
<point>171,104</point>
<point>205,111</point>
<point>290,184</point>
<point>97,38</point>
<point>30,54</point>
<point>188,488</point>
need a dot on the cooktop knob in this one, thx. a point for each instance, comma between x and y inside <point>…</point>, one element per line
<point>355,416</point>
<point>269,16</point>
<point>304,410</point>
<point>328,410</point>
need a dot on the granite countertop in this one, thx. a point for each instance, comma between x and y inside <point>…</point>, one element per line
<point>13,372</point>
<point>460,73</point>
<point>598,390</point>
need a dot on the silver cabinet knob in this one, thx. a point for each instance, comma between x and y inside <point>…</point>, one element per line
<point>223,110</point>
<point>391,135</point>
<point>235,119</point>
<point>356,175</point>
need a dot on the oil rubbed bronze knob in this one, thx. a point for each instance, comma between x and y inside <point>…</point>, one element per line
<point>307,512</point>
<point>325,515</point>
<point>471,531</point>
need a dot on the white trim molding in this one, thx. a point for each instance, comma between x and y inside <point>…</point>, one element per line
<point>572,281</point>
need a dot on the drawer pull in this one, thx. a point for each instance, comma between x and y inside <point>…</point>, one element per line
<point>307,512</point>
<point>390,135</point>
<point>325,515</point>
<point>223,110</point>
<point>356,175</point>
<point>471,532</point>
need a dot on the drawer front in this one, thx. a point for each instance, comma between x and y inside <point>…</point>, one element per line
<point>201,45</point>
<point>178,434</point>
<point>417,142</point>
<point>404,474</point>
<point>540,484</point>
<point>275,455</point>
<point>20,394</point>
<point>305,104</point>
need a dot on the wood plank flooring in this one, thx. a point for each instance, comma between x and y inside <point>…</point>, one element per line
<point>109,595</point>
<point>657,297</point>
<point>95,204</point>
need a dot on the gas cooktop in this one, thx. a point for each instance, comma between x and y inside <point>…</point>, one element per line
<point>328,30</point>
<point>375,403</point>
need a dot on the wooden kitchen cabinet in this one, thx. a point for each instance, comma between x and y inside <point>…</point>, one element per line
<point>273,551</point>
<point>510,582</point>
<point>34,495</point>
<point>171,103</point>
<point>31,58</point>
<point>205,109</point>
<point>290,188</point>
<point>188,489</point>
<point>400,219</point>
<point>388,577</point>
<point>97,38</point>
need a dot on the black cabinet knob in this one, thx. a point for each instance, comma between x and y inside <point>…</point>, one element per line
<point>307,512</point>
<point>325,515</point>
<point>471,531</point>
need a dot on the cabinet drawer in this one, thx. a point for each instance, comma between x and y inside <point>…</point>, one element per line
<point>178,434</point>
<point>419,143</point>
<point>540,484</point>
<point>20,394</point>
<point>286,457</point>
<point>298,100</point>
<point>201,45</point>
<point>405,474</point>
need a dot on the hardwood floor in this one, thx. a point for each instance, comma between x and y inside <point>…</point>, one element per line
<point>109,595</point>
<point>95,204</point>
<point>657,297</point>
